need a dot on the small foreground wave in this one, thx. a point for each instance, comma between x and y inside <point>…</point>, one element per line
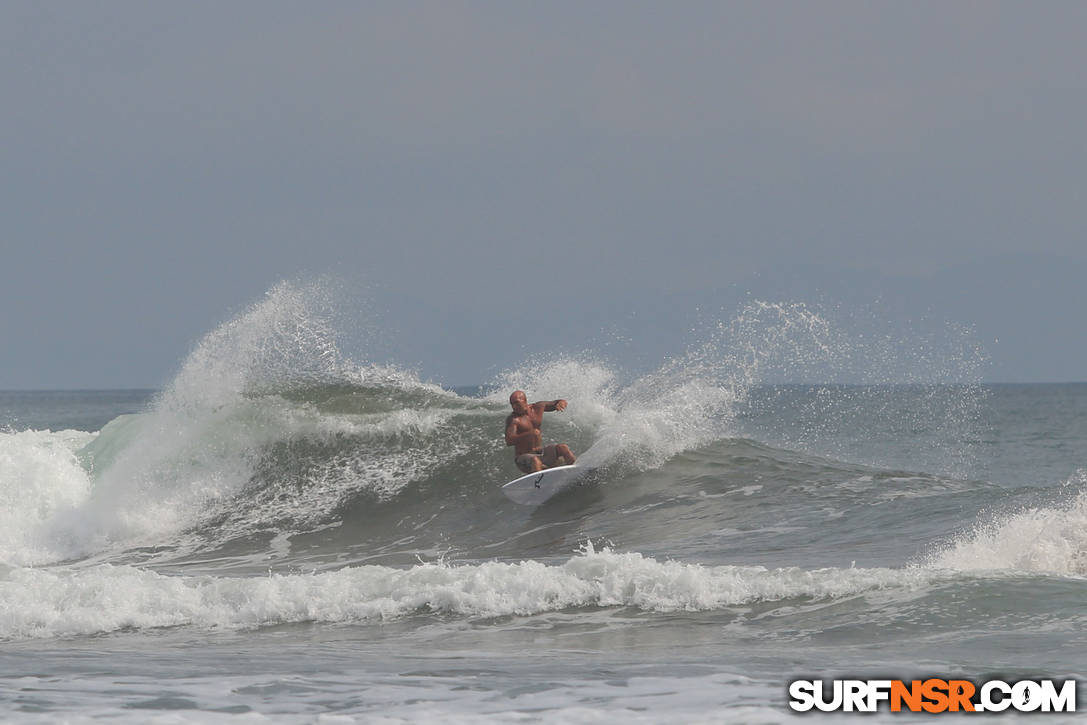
<point>44,603</point>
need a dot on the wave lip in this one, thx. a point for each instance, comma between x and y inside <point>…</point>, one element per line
<point>209,448</point>
<point>41,603</point>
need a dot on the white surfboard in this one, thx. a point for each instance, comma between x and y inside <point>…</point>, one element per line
<point>534,488</point>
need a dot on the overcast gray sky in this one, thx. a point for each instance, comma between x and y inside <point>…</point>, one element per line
<point>498,178</point>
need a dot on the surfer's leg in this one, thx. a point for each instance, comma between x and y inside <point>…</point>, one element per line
<point>558,455</point>
<point>549,456</point>
<point>529,462</point>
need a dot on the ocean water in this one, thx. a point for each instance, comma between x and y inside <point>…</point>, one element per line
<point>286,534</point>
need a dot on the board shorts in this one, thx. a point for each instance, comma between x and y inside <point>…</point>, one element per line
<point>547,456</point>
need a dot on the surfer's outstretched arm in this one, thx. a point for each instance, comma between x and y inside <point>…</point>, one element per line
<point>552,405</point>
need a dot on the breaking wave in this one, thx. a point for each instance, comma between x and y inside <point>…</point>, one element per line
<point>107,598</point>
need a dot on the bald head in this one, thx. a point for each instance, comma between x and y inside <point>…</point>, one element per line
<point>519,402</point>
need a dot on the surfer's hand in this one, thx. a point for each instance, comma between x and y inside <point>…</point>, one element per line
<point>560,405</point>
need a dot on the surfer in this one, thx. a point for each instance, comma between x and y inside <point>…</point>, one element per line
<point>523,433</point>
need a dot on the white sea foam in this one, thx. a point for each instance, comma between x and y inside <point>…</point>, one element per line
<point>1036,539</point>
<point>62,602</point>
<point>40,478</point>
